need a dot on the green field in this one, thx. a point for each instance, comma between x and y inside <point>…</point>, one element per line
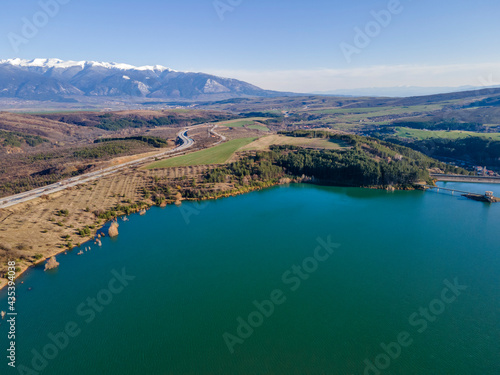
<point>237,124</point>
<point>454,134</point>
<point>264,143</point>
<point>380,111</point>
<point>215,155</point>
<point>249,123</point>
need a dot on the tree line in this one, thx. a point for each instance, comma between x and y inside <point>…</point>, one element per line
<point>153,141</point>
<point>366,162</point>
<point>15,139</point>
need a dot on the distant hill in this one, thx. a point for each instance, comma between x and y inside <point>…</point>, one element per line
<point>54,79</point>
<point>397,92</point>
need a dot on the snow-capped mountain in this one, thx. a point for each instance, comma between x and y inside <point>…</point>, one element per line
<point>54,79</point>
<point>61,64</point>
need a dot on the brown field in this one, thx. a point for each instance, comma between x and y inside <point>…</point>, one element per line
<point>24,165</point>
<point>264,143</point>
<point>34,227</point>
<point>180,118</point>
<point>236,121</point>
<point>235,133</point>
<point>80,128</point>
<point>25,171</point>
<point>57,132</point>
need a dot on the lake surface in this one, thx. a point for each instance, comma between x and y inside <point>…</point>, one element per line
<point>376,268</point>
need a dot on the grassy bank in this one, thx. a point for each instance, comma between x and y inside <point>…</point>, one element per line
<point>215,155</point>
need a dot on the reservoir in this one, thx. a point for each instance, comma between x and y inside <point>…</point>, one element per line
<point>297,279</point>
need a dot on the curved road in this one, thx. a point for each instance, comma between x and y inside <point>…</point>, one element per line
<point>222,138</point>
<point>88,177</point>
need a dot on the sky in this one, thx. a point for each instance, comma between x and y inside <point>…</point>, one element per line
<point>286,45</point>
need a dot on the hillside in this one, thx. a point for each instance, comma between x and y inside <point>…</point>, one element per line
<point>40,149</point>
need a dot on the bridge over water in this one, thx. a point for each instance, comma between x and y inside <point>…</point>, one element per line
<point>487,197</point>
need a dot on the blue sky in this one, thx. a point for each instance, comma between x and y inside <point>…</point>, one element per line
<point>281,44</point>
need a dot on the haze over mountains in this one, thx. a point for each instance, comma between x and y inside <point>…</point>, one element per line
<point>54,79</point>
<point>400,91</point>
<point>79,81</point>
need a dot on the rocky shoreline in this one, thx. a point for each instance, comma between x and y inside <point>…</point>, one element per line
<point>141,207</point>
<point>99,228</point>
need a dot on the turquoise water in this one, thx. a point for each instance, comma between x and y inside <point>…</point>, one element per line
<point>198,268</point>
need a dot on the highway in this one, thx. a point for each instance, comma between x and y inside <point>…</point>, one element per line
<point>89,177</point>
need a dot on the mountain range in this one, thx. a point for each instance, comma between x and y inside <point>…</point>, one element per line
<point>54,79</point>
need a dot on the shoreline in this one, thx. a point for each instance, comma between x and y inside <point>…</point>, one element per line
<point>24,269</point>
<point>222,194</point>
<point>99,229</point>
<point>59,222</point>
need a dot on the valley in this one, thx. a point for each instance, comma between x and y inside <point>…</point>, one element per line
<point>275,187</point>
<point>104,164</point>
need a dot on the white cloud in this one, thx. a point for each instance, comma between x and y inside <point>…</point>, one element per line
<point>453,75</point>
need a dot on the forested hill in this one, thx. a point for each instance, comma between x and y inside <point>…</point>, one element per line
<point>366,162</point>
<point>363,162</point>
